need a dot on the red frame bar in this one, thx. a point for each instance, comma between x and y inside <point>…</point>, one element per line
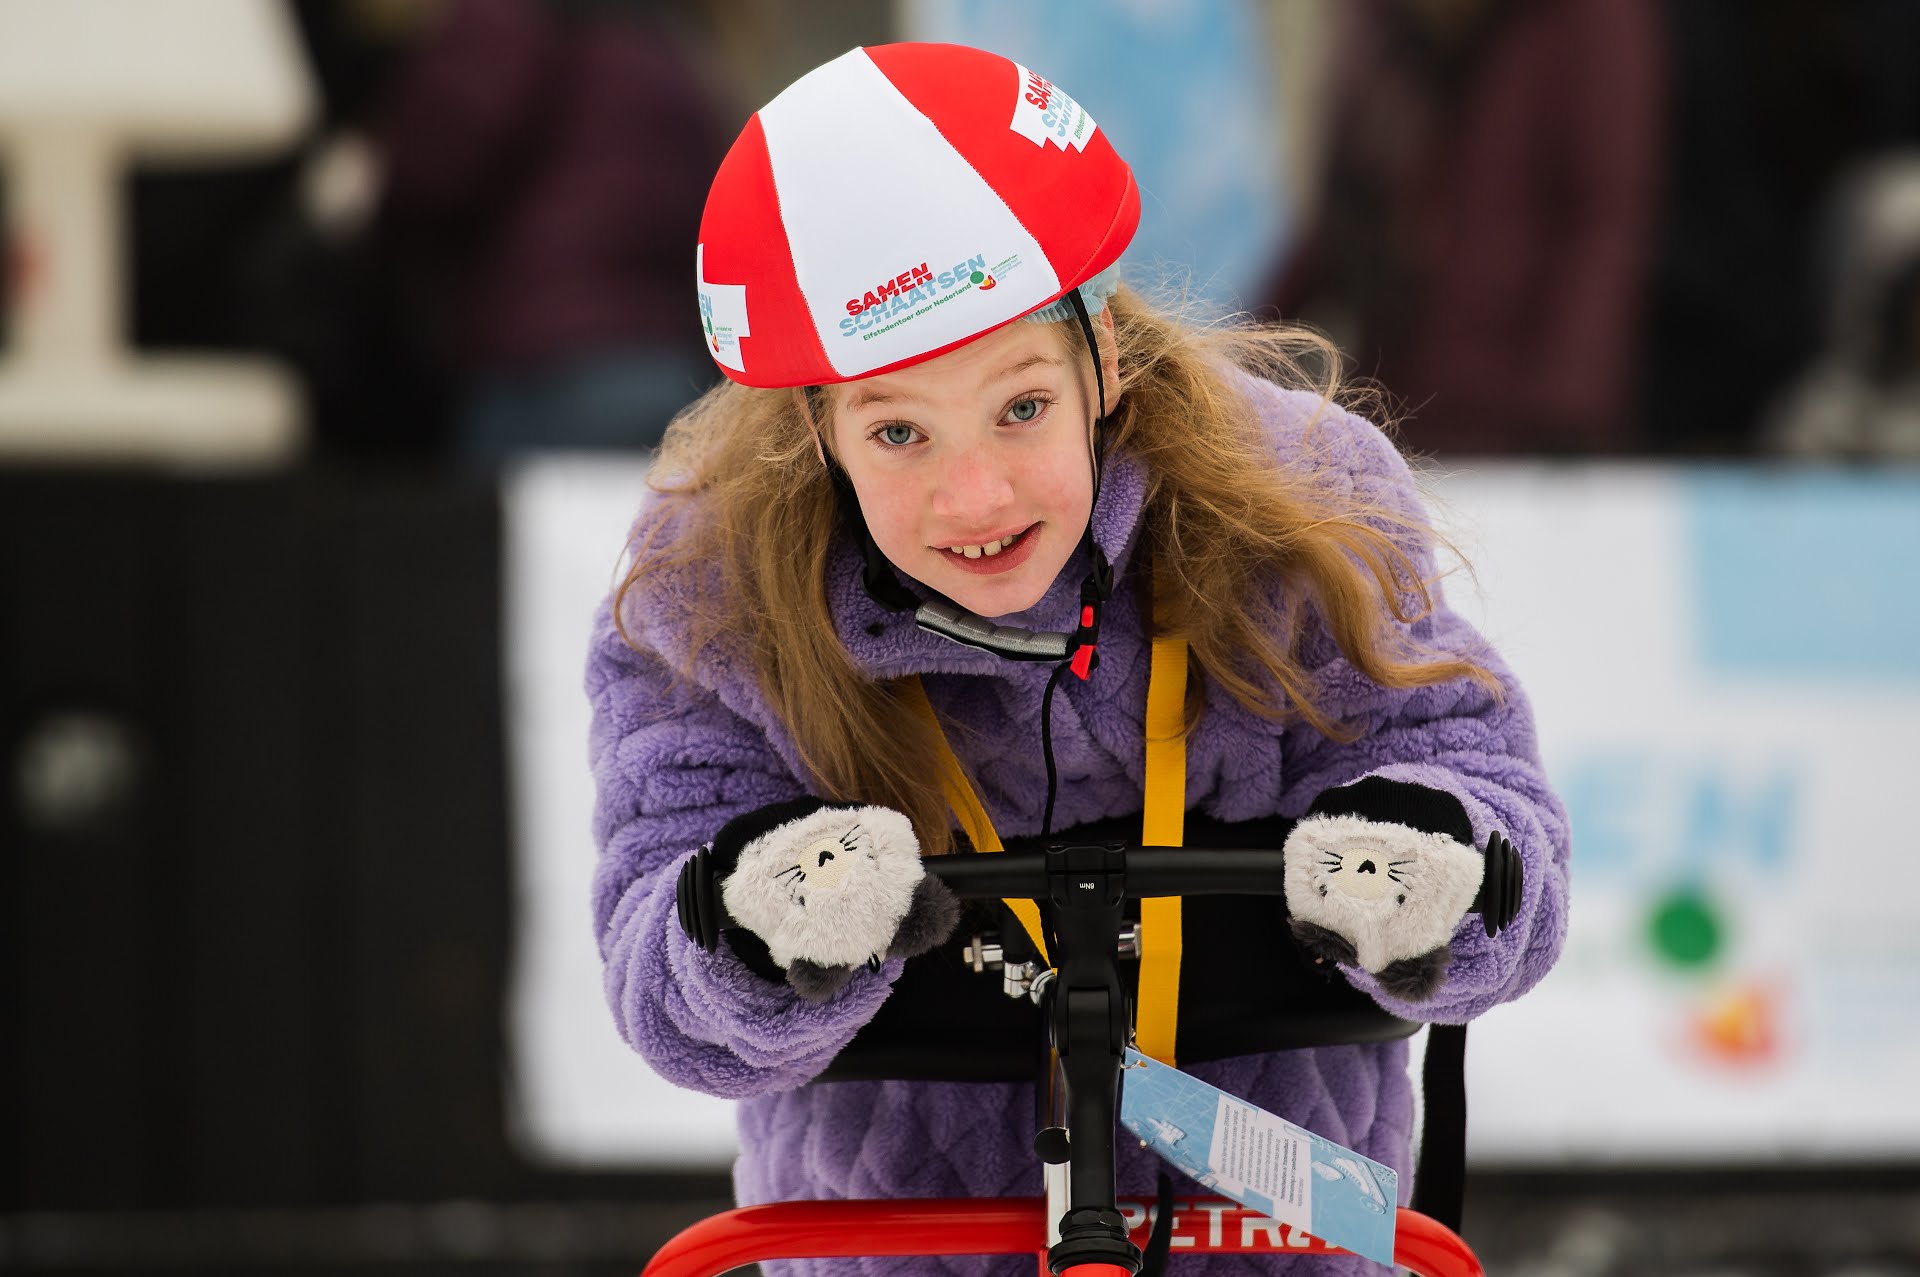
<point>1005,1226</point>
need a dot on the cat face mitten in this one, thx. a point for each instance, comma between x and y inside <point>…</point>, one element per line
<point>818,889</point>
<point>1379,874</point>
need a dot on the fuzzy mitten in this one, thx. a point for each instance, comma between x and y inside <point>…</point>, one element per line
<point>1379,874</point>
<point>825,888</point>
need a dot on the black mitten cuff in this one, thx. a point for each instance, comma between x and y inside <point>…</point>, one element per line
<point>1431,811</point>
<point>753,955</point>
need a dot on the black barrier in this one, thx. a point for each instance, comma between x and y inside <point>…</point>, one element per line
<point>253,857</point>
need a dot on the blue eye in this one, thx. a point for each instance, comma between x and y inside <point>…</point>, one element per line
<point>1024,409</point>
<point>897,434</point>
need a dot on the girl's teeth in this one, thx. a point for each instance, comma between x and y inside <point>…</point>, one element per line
<point>990,549</point>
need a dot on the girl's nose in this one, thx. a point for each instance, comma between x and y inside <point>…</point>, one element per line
<point>973,486</point>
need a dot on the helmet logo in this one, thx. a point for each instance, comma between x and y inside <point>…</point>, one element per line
<point>723,315</point>
<point>1043,114</point>
<point>916,292</point>
<point>904,283</point>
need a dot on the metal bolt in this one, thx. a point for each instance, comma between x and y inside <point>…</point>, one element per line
<point>982,951</point>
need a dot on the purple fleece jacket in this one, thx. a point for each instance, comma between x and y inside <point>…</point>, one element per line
<point>675,762</point>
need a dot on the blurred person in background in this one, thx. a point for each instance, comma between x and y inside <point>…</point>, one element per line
<point>1774,101</point>
<point>544,163</point>
<point>1861,398</point>
<point>1487,217</point>
<point>274,255</point>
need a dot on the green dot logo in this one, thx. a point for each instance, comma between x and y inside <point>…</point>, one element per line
<point>1685,929</point>
<point>978,277</point>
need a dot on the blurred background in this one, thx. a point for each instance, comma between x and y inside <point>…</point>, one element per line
<point>335,338</point>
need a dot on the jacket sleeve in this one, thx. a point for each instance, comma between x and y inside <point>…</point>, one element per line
<point>671,765</point>
<point>1459,737</point>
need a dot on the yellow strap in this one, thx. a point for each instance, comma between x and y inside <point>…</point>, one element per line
<point>973,817</point>
<point>1163,824</point>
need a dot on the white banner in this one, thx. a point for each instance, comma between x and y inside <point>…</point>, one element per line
<point>581,1096</point>
<point>1725,666</point>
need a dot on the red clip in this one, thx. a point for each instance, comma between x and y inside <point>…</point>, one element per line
<point>1082,662</point>
<point>1086,616</point>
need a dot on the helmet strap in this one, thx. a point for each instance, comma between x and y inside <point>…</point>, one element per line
<point>1098,586</point>
<point>877,576</point>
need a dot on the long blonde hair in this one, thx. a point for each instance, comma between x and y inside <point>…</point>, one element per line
<point>1225,523</point>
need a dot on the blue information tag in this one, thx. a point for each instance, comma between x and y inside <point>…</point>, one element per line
<point>1261,1161</point>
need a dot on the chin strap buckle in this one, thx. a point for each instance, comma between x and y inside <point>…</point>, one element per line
<point>1086,639</point>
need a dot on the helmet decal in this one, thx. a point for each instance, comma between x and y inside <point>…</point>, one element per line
<point>723,315</point>
<point>1043,113</point>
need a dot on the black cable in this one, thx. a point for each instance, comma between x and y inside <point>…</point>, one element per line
<point>1439,1181</point>
<point>1099,587</point>
<point>1153,1261</point>
<point>1046,744</point>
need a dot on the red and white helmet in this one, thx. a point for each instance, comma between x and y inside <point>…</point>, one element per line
<point>898,202</point>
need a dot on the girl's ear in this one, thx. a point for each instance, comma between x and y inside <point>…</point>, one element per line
<point>1109,356</point>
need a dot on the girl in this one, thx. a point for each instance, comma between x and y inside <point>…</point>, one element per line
<point>966,498</point>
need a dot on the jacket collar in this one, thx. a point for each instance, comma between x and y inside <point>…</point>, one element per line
<point>887,644</point>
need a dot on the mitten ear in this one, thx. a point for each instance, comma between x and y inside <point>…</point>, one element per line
<point>1323,945</point>
<point>817,983</point>
<point>1415,979</point>
<point>931,919</point>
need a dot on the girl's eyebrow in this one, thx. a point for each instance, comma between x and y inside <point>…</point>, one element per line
<point>1031,361</point>
<point>862,398</point>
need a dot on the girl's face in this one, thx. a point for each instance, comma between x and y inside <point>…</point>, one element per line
<point>974,470</point>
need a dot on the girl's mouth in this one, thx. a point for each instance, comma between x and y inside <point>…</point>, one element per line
<point>995,557</point>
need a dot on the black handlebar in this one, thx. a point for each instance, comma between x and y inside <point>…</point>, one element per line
<point>1150,871</point>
